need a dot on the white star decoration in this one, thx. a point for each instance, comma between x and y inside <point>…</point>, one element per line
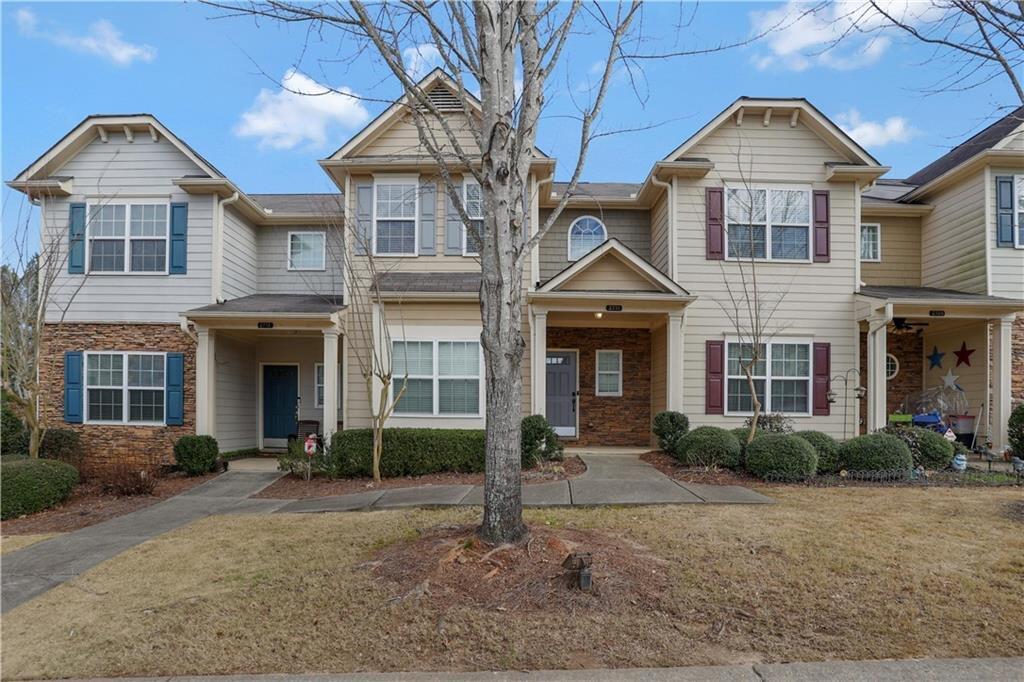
<point>950,379</point>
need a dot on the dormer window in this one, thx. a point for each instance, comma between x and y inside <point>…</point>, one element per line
<point>127,237</point>
<point>585,234</point>
<point>395,209</point>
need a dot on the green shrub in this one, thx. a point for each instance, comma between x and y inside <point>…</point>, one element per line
<point>669,427</point>
<point>781,457</point>
<point>539,442</point>
<point>927,448</point>
<point>1015,427</point>
<point>772,423</point>
<point>62,444</point>
<point>196,455</point>
<point>31,485</point>
<point>406,452</point>
<point>708,446</point>
<point>294,460</point>
<point>826,448</point>
<point>13,436</point>
<point>875,452</point>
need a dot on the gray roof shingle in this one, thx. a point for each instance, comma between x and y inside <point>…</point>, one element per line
<point>429,282</point>
<point>276,303</point>
<point>311,204</point>
<point>611,190</point>
<point>927,293</point>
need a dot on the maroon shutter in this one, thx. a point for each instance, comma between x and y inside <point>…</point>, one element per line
<point>714,214</point>
<point>821,226</point>
<point>822,374</point>
<point>714,377</point>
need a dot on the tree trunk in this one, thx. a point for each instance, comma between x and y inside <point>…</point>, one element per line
<point>757,405</point>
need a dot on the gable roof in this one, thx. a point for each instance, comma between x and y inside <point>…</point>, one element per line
<point>615,249</point>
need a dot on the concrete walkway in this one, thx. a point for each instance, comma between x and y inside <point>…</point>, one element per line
<point>609,479</point>
<point>29,572</point>
<point>927,670</point>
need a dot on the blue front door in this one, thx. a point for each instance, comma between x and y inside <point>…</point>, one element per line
<point>280,396</point>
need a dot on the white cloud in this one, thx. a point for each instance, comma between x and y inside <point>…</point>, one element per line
<point>875,133</point>
<point>421,60</point>
<point>302,111</point>
<point>102,39</point>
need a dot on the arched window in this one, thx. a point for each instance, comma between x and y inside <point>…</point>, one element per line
<point>585,234</point>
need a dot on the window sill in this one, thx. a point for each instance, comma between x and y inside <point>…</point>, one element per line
<point>307,269</point>
<point>781,261</point>
<point>395,255</point>
<point>870,260</point>
<point>106,423</point>
<point>109,273</point>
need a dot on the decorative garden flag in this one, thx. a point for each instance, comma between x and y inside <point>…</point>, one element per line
<point>963,356</point>
<point>935,358</point>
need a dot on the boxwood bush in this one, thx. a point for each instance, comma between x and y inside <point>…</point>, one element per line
<point>826,448</point>
<point>13,436</point>
<point>928,449</point>
<point>62,444</point>
<point>1015,426</point>
<point>707,446</point>
<point>406,452</point>
<point>875,452</point>
<point>31,485</point>
<point>668,428</point>
<point>781,457</point>
<point>539,442</point>
<point>196,455</point>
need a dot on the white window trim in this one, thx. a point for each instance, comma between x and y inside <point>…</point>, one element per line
<point>782,341</point>
<point>323,252</point>
<point>598,372</point>
<point>878,230</point>
<point>437,378</point>
<point>316,385</point>
<point>465,232</point>
<point>568,237</point>
<point>768,223</point>
<point>127,238</point>
<point>125,408</point>
<point>1018,239</point>
<point>398,180</point>
<point>896,372</point>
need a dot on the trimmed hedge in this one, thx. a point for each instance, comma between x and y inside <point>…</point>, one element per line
<point>406,452</point>
<point>538,441</point>
<point>780,456</point>
<point>64,445</point>
<point>928,449</point>
<point>772,422</point>
<point>875,452</point>
<point>668,428</point>
<point>707,446</point>
<point>196,455</point>
<point>13,436</point>
<point>1015,427</point>
<point>826,447</point>
<point>31,485</point>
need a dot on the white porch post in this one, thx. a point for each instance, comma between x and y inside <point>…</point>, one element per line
<point>539,362</point>
<point>1001,372</point>
<point>877,383</point>
<point>674,362</point>
<point>330,424</point>
<point>206,381</point>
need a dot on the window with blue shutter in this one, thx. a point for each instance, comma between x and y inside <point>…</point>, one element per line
<point>175,377</point>
<point>179,239</point>
<point>76,239</point>
<point>73,387</point>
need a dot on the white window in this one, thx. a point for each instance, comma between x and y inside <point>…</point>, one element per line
<point>473,201</point>
<point>307,251</point>
<point>609,372</point>
<point>443,378</point>
<point>585,234</point>
<point>395,210</point>
<point>318,384</point>
<point>125,388</point>
<point>768,224</point>
<point>782,373</point>
<point>892,366</point>
<point>127,237</point>
<point>871,243</point>
<point>1018,198</point>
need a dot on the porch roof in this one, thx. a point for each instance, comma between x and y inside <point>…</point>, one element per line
<point>429,283</point>
<point>926,301</point>
<point>272,304</point>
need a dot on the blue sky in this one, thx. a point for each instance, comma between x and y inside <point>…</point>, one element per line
<point>212,81</point>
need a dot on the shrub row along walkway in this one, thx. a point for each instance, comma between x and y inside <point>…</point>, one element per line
<point>610,479</point>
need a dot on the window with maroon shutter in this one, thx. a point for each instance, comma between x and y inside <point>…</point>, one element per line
<point>714,377</point>
<point>822,253</point>
<point>714,214</point>
<point>822,377</point>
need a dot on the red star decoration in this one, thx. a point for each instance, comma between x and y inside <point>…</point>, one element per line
<point>963,356</point>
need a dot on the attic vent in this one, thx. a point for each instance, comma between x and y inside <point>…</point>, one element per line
<point>444,99</point>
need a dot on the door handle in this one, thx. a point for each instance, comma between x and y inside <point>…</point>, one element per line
<point>574,394</point>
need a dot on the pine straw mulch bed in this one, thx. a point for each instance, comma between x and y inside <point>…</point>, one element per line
<point>292,487</point>
<point>671,467</point>
<point>448,565</point>
<point>89,505</point>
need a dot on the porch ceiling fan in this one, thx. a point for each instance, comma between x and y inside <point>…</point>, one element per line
<point>901,324</point>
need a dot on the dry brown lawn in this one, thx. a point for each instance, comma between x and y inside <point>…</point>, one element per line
<point>826,574</point>
<point>12,543</point>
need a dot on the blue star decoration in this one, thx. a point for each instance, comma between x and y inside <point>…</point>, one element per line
<point>935,359</point>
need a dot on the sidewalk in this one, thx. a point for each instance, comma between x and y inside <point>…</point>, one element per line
<point>930,670</point>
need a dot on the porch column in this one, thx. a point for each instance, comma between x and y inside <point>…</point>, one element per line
<point>1001,377</point>
<point>877,384</point>
<point>674,362</point>
<point>330,424</point>
<point>538,363</point>
<point>206,382</point>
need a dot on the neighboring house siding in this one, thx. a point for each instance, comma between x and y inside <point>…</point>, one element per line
<point>953,238</point>
<point>660,234</point>
<point>1007,264</point>
<point>631,227</point>
<point>119,169</point>
<point>240,255</point>
<point>272,263</point>
<point>901,253</point>
<point>237,410</point>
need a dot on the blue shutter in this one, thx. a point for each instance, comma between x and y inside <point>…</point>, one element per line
<point>179,239</point>
<point>76,240</point>
<point>364,218</point>
<point>428,221</point>
<point>452,226</point>
<point>1004,210</point>
<point>73,390</point>
<point>175,380</point>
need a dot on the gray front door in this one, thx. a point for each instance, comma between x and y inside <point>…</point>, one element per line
<point>561,392</point>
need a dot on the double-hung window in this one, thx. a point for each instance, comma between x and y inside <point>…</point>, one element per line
<point>395,206</point>
<point>473,201</point>
<point>318,382</point>
<point>128,237</point>
<point>609,372</point>
<point>307,251</point>
<point>440,378</point>
<point>782,377</point>
<point>769,224</point>
<point>871,243</point>
<point>125,388</point>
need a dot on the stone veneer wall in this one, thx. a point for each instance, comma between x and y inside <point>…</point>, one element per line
<point>908,347</point>
<point>611,421</point>
<point>108,444</point>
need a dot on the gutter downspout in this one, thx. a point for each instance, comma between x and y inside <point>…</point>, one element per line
<point>670,238</point>
<point>217,269</point>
